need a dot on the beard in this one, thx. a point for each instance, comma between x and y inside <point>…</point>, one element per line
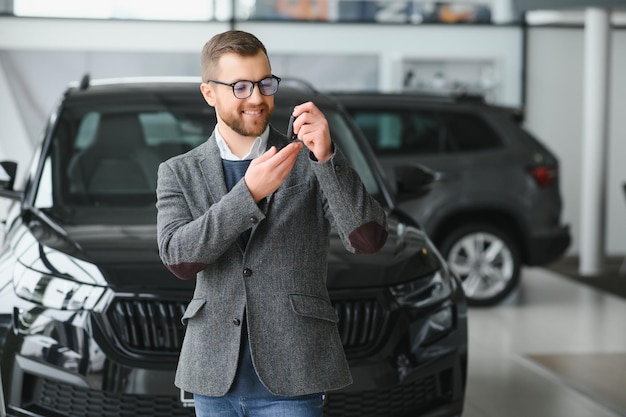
<point>255,128</point>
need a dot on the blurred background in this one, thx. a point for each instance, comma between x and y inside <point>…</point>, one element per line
<point>560,62</point>
<point>514,52</point>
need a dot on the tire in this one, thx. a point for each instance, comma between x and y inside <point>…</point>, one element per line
<point>486,260</point>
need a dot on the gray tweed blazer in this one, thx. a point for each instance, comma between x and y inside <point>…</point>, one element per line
<point>279,278</point>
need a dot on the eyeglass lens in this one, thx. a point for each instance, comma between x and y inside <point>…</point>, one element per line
<point>267,86</point>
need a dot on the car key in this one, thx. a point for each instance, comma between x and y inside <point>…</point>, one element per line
<point>291,136</point>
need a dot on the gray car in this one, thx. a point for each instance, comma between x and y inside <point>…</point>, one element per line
<point>496,204</point>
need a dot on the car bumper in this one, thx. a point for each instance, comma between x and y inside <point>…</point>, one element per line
<point>66,366</point>
<point>430,390</point>
<point>546,247</point>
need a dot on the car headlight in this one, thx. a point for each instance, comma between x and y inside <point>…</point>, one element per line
<point>55,292</point>
<point>423,292</point>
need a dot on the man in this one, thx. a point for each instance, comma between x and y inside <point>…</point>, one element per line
<point>248,215</point>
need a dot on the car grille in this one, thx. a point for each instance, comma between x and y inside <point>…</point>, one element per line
<point>146,326</point>
<point>151,326</point>
<point>360,322</point>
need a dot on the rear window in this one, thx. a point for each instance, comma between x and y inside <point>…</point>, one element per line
<point>398,132</point>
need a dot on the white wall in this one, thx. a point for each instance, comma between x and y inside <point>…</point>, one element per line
<point>42,56</point>
<point>554,113</point>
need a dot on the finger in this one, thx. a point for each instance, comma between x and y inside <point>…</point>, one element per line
<point>299,109</point>
<point>290,148</point>
<point>267,154</point>
<point>288,152</point>
<point>308,107</point>
<point>272,158</point>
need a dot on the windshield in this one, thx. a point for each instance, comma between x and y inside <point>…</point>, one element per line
<point>101,166</point>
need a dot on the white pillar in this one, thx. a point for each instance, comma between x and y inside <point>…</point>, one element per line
<point>390,72</point>
<point>15,144</point>
<point>594,159</point>
<point>502,11</point>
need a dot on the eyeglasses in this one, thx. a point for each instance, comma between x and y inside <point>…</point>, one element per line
<point>243,88</point>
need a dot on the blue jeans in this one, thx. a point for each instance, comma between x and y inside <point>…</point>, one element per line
<point>235,406</point>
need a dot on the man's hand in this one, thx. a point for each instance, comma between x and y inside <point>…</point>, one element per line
<point>267,172</point>
<point>312,129</point>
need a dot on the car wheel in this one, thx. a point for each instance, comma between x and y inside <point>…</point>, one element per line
<point>485,259</point>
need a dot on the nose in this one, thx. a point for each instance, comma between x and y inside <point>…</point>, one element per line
<point>256,96</point>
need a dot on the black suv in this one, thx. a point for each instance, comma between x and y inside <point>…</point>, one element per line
<point>496,204</point>
<point>91,319</point>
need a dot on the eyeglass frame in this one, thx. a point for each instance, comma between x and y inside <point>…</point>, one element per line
<point>253,83</point>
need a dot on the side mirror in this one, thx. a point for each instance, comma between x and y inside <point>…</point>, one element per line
<point>414,180</point>
<point>8,171</point>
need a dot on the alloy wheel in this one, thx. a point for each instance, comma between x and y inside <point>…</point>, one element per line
<point>484,263</point>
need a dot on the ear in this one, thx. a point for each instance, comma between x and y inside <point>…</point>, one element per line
<point>208,94</point>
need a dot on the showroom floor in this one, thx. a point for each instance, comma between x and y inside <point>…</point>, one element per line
<point>555,349</point>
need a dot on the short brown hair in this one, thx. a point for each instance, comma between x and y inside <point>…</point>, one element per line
<point>232,41</point>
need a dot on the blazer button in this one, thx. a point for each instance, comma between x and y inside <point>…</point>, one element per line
<point>254,220</point>
<point>236,322</point>
<point>247,272</point>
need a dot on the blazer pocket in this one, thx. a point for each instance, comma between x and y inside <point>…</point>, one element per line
<point>192,309</point>
<point>292,189</point>
<point>313,306</point>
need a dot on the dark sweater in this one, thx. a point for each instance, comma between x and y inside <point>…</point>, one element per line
<point>247,383</point>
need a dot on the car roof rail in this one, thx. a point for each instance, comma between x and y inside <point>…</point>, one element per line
<point>299,83</point>
<point>470,97</point>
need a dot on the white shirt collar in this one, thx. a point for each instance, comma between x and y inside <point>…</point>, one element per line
<point>257,149</point>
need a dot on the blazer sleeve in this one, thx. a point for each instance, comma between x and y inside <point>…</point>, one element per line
<point>354,213</point>
<point>192,231</point>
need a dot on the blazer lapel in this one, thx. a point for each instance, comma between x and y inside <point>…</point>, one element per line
<point>212,171</point>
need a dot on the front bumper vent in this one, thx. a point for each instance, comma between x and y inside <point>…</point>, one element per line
<point>400,400</point>
<point>71,401</point>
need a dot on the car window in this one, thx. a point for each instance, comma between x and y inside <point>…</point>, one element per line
<point>422,133</point>
<point>86,131</point>
<point>343,136</point>
<point>106,158</point>
<point>114,156</point>
<point>401,132</point>
<point>163,129</point>
<point>469,132</point>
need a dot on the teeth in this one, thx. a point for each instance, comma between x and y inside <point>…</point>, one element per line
<point>252,112</point>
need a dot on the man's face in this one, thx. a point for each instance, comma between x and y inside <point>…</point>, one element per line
<point>245,117</point>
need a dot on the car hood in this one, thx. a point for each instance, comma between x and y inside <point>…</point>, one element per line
<point>127,256</point>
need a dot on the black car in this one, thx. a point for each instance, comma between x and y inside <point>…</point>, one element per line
<point>91,319</point>
<point>496,204</point>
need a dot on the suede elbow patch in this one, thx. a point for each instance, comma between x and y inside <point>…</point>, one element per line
<point>186,270</point>
<point>368,238</point>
